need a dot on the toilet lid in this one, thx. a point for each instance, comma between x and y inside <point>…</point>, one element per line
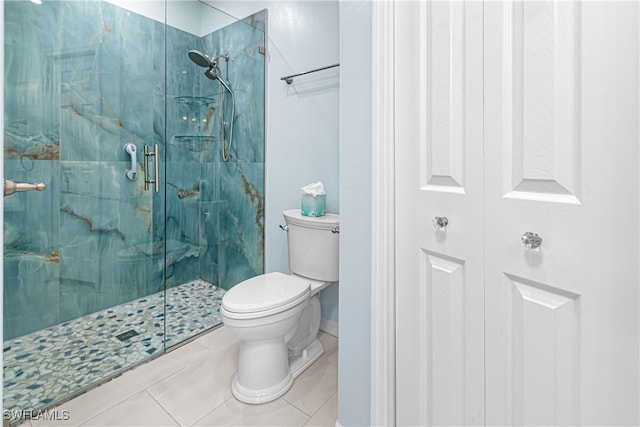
<point>264,292</point>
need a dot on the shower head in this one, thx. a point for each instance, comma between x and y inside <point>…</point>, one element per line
<point>204,61</point>
<point>212,73</point>
<point>200,58</point>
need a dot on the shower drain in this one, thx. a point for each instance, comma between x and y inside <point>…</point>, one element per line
<point>126,335</point>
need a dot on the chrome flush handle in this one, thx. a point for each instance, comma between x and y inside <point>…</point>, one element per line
<point>440,223</point>
<point>531,240</point>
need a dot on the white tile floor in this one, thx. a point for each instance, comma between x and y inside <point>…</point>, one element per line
<point>190,386</point>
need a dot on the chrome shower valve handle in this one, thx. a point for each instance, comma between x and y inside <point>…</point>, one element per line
<point>440,223</point>
<point>11,187</point>
<point>531,240</point>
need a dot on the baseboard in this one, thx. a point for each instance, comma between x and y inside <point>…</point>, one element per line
<point>329,326</point>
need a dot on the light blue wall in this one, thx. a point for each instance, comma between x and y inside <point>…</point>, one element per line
<point>355,206</point>
<point>302,120</point>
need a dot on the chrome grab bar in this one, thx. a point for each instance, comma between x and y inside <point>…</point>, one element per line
<point>11,187</point>
<point>131,150</point>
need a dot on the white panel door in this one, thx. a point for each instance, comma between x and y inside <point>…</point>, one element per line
<point>561,160</point>
<point>440,355</point>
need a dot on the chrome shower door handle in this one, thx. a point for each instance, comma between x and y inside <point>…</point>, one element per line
<point>147,180</point>
<point>531,240</point>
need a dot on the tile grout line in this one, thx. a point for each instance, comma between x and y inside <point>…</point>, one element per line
<point>316,411</point>
<point>211,411</point>
<point>166,411</point>
<point>321,406</point>
<point>92,416</point>
<point>136,390</point>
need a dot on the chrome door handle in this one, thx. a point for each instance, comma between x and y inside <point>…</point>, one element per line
<point>11,187</point>
<point>440,223</point>
<point>148,180</point>
<point>531,240</point>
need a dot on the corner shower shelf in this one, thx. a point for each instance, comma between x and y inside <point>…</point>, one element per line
<point>195,101</point>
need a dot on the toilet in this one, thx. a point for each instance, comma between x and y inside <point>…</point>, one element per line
<point>277,316</point>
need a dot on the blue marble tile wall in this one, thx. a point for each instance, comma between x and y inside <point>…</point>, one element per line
<point>216,207</point>
<point>81,80</point>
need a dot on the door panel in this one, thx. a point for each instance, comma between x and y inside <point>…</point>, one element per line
<point>442,73</point>
<point>440,294</point>
<point>442,330</point>
<point>517,117</point>
<point>561,123</point>
<point>541,325</point>
<point>541,94</point>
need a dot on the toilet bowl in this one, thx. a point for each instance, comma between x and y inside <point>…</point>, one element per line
<point>277,316</point>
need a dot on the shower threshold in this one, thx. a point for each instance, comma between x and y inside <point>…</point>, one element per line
<point>48,366</point>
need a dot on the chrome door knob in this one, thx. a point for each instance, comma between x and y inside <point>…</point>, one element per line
<point>531,240</point>
<point>440,223</point>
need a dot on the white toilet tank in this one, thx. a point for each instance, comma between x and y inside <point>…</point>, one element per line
<point>313,245</point>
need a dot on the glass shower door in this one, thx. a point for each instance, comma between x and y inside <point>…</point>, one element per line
<point>84,258</point>
<point>128,248</point>
<point>214,161</point>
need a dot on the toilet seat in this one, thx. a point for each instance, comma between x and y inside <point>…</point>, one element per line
<point>265,295</point>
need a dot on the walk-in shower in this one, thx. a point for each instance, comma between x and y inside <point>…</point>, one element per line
<point>105,268</point>
<point>213,73</point>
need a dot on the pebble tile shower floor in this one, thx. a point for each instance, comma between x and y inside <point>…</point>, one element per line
<point>48,365</point>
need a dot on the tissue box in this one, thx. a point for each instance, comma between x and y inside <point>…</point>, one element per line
<point>313,205</point>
